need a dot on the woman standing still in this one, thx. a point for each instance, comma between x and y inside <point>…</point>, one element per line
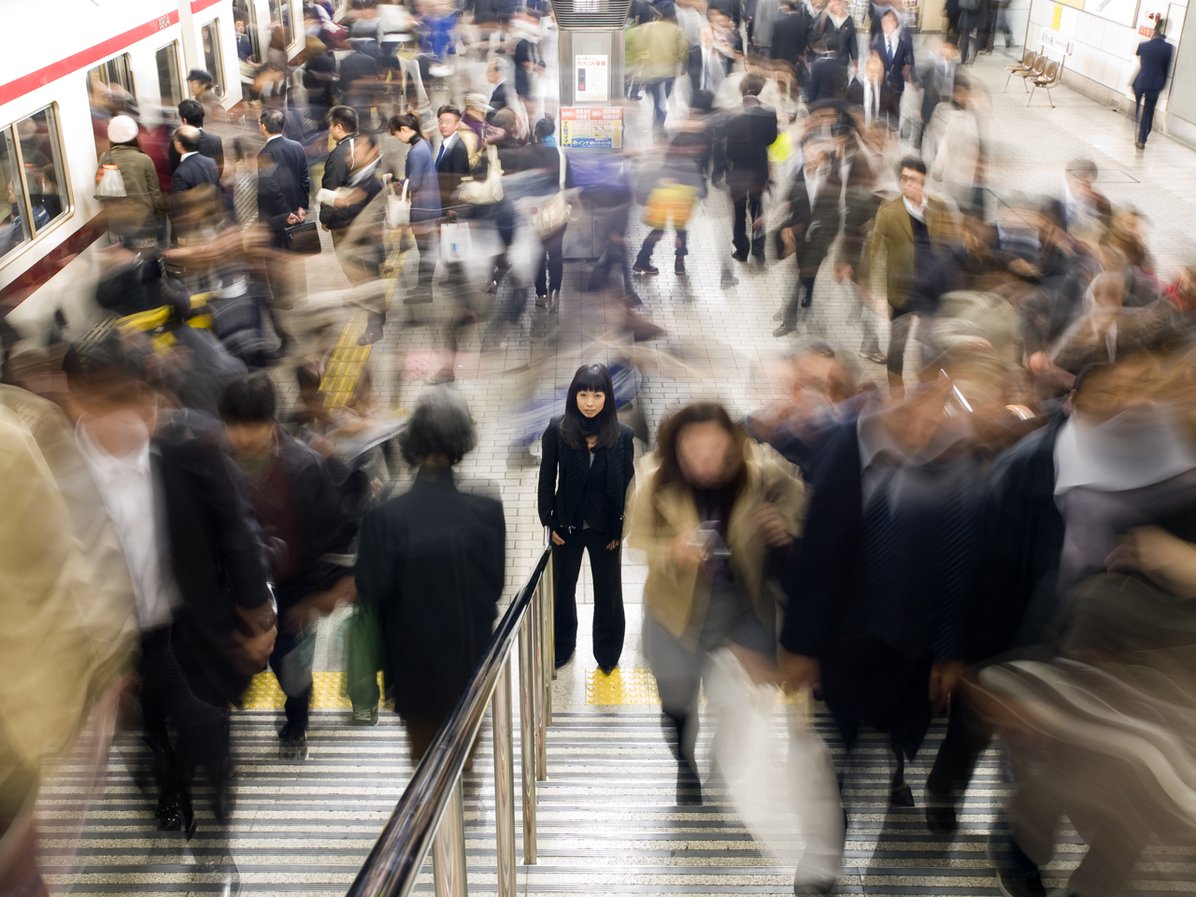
<point>584,473</point>
<point>716,514</point>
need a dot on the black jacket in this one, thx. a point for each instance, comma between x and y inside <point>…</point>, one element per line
<point>210,145</point>
<point>194,171</point>
<point>791,36</point>
<point>340,170</point>
<point>283,182</point>
<point>748,136</point>
<point>452,166</point>
<point>216,560</point>
<point>1155,55</point>
<point>902,64</point>
<point>816,227</point>
<point>563,475</point>
<point>433,561</point>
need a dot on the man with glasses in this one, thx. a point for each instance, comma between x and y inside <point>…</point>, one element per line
<point>907,232</point>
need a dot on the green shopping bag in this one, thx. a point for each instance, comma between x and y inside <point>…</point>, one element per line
<point>363,659</point>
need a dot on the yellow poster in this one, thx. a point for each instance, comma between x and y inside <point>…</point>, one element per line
<point>1075,4</point>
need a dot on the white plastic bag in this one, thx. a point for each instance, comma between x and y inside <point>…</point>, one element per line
<point>110,183</point>
<point>779,775</point>
<point>398,207</point>
<point>456,244</point>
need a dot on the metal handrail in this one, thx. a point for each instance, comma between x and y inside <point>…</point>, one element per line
<point>432,808</point>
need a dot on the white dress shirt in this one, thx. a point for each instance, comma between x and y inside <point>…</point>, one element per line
<point>127,489</point>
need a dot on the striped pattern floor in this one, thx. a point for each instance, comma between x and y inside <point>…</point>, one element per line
<point>608,823</point>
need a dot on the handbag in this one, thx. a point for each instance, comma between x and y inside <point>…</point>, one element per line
<point>398,207</point>
<point>489,191</point>
<point>303,238</point>
<point>554,214</point>
<point>363,656</point>
<point>456,243</point>
<point>110,183</point>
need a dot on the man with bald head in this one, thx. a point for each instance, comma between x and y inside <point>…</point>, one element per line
<point>195,169</point>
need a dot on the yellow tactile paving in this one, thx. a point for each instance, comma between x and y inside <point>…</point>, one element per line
<point>328,692</point>
<point>637,687</point>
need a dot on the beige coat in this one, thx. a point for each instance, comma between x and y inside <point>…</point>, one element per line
<point>678,597</point>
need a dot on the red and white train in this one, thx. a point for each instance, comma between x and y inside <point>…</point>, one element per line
<point>57,63</point>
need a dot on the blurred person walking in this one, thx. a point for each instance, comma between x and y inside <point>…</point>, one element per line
<point>299,511</point>
<point>433,562</point>
<point>128,189</point>
<point>585,469</point>
<point>1154,67</point>
<point>662,52</point>
<point>283,197</point>
<point>350,176</point>
<point>543,154</point>
<point>744,147</point>
<point>717,515</point>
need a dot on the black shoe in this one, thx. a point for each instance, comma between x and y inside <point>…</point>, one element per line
<point>679,266</point>
<point>901,795</point>
<point>689,786</point>
<point>941,816</point>
<point>645,268</point>
<point>561,661</point>
<point>292,742</point>
<point>815,888</point>
<point>174,814</point>
<point>758,258</point>
<point>740,256</point>
<point>541,300</point>
<point>1017,876</point>
<point>373,333</point>
<point>784,330</point>
<point>607,668</point>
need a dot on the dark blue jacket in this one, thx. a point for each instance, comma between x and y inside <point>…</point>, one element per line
<point>902,62</point>
<point>1156,65</point>
<point>283,182</point>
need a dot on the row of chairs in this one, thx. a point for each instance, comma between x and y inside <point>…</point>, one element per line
<point>1037,71</point>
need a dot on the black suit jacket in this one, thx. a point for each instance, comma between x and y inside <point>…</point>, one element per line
<point>747,137</point>
<point>828,80</point>
<point>216,559</point>
<point>1155,66</point>
<point>433,561</point>
<point>815,227</point>
<point>210,145</point>
<point>283,182</point>
<point>902,64</point>
<point>563,472</point>
<point>194,171</point>
<point>790,36</point>
<point>452,166</point>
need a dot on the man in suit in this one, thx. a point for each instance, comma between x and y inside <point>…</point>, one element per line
<point>194,168</point>
<point>705,65</point>
<point>210,145</point>
<point>790,34</point>
<point>351,173</point>
<point>196,198</point>
<point>813,224</point>
<point>872,95</point>
<point>905,235</point>
<point>283,195</point>
<point>747,138</point>
<point>452,158</point>
<point>1155,55</point>
<point>202,601</point>
<point>896,51</point>
<point>497,73</point>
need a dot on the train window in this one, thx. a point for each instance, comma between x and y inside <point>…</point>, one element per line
<point>35,184</point>
<point>280,14</point>
<point>169,81</point>
<point>245,19</point>
<point>111,86</point>
<point>209,37</point>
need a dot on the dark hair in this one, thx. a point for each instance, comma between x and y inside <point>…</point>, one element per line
<point>440,425</point>
<point>913,163</point>
<point>751,85</point>
<point>448,109</point>
<point>188,138</point>
<point>345,116</point>
<point>191,111</point>
<point>106,367</point>
<point>307,376</point>
<point>249,400</point>
<point>893,13</point>
<point>273,120</point>
<point>596,378</point>
<point>545,127</point>
<point>405,120</point>
<point>505,118</point>
<point>669,472</point>
<point>702,101</point>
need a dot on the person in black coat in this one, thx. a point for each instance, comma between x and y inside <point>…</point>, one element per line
<point>192,113</point>
<point>585,470</point>
<point>452,156</point>
<point>791,36</point>
<point>1155,55</point>
<point>194,168</point>
<point>283,181</point>
<point>747,137</point>
<point>433,561</point>
<point>896,50</point>
<point>296,503</point>
<point>814,222</point>
<point>193,549</point>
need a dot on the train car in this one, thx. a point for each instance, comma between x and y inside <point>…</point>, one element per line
<point>71,65</point>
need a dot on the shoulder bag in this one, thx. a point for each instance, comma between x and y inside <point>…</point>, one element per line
<point>554,215</point>
<point>303,238</point>
<point>489,191</point>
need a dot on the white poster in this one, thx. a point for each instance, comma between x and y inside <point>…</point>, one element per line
<point>1123,12</point>
<point>591,74</point>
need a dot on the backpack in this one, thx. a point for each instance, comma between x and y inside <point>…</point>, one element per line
<point>110,183</point>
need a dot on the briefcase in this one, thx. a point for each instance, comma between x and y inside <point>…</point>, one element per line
<point>303,238</point>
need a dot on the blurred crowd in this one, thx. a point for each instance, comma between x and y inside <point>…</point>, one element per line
<point>984,512</point>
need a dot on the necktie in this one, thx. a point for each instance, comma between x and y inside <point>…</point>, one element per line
<point>890,50</point>
<point>245,195</point>
<point>440,154</point>
<point>880,542</point>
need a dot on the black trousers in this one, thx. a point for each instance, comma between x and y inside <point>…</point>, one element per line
<point>171,699</point>
<point>968,736</point>
<point>606,568</point>
<point>551,270</point>
<point>747,208</point>
<point>802,297</point>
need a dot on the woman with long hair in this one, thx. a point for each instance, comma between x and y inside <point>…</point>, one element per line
<point>716,514</point>
<point>584,474</point>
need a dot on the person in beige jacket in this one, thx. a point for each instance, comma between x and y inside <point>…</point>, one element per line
<point>716,514</point>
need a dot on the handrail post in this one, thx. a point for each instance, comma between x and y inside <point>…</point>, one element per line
<point>542,618</point>
<point>448,851</point>
<point>504,781</point>
<point>548,628</point>
<point>527,734</point>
